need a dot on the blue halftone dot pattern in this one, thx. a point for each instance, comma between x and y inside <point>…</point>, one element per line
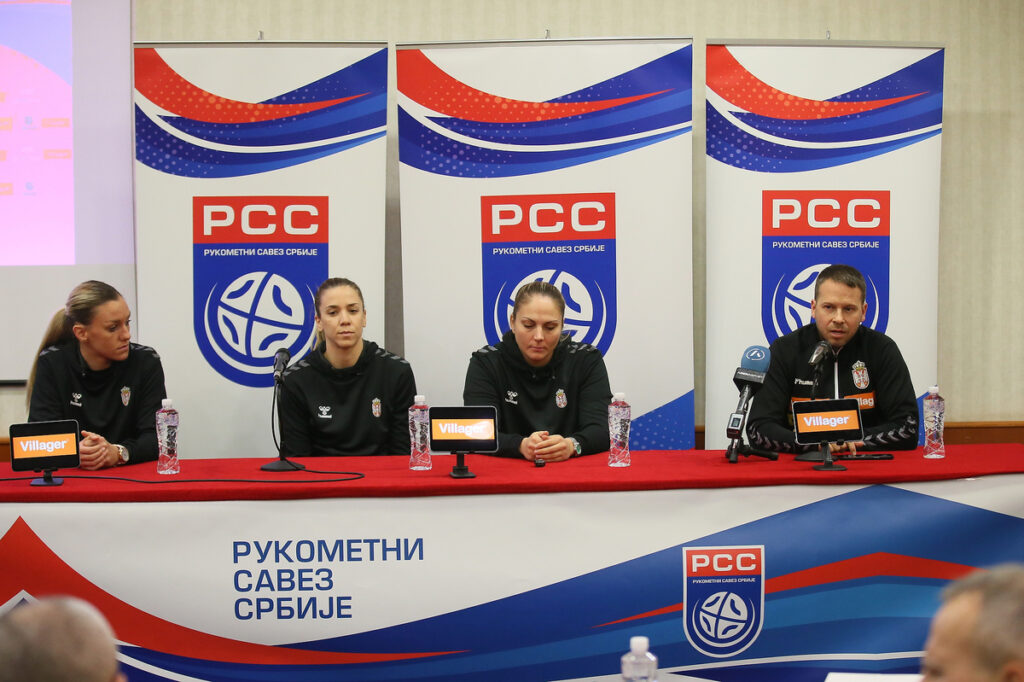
<point>669,427</point>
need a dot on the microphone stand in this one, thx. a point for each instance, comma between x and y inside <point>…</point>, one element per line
<point>736,446</point>
<point>282,463</point>
<point>815,455</point>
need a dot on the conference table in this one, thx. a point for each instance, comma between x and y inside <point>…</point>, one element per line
<point>360,569</point>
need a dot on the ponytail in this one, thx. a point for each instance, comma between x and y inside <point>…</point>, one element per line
<point>57,331</point>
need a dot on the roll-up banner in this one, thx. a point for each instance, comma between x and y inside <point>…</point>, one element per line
<point>819,154</point>
<point>259,173</point>
<point>568,162</point>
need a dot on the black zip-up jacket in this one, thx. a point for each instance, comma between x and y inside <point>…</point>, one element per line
<point>357,410</point>
<point>119,403</point>
<point>869,367</point>
<point>569,396</point>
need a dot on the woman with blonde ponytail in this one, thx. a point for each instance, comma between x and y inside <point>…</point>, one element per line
<point>87,369</point>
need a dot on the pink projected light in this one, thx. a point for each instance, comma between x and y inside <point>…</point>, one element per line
<point>37,214</point>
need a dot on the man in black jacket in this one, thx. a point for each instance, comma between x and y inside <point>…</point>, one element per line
<point>860,363</point>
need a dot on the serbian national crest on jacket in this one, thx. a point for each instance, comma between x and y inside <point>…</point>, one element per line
<point>860,375</point>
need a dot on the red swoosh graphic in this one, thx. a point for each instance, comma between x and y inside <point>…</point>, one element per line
<point>163,86</point>
<point>423,82</point>
<point>31,566</point>
<point>867,566</point>
<point>727,78</point>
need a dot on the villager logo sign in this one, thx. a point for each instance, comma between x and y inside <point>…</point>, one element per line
<point>256,263</point>
<point>567,240</point>
<point>803,232</point>
<point>723,598</point>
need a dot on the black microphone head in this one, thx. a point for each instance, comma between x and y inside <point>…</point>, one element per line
<point>282,354</point>
<point>820,351</point>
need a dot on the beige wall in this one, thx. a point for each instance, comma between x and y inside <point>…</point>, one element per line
<point>981,240</point>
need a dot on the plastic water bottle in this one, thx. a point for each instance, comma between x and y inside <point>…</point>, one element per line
<point>618,431</point>
<point>639,664</point>
<point>167,438</point>
<point>934,421</point>
<point>419,435</point>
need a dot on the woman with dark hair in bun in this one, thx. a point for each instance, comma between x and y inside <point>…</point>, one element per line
<point>87,369</point>
<point>551,392</point>
<point>349,396</point>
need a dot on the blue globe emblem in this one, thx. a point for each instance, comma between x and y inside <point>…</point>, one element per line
<point>723,619</point>
<point>252,317</point>
<point>586,315</point>
<point>791,300</point>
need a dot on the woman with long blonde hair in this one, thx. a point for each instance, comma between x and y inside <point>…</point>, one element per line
<point>88,369</point>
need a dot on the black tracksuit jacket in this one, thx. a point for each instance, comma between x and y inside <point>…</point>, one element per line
<point>119,403</point>
<point>357,410</point>
<point>869,367</point>
<point>569,396</point>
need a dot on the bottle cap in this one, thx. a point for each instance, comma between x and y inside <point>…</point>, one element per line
<point>619,397</point>
<point>419,399</point>
<point>639,644</point>
<point>933,389</point>
<point>167,404</point>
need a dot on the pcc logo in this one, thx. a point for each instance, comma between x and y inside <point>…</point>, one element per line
<point>723,598</point>
<point>567,240</point>
<point>256,263</point>
<point>805,231</point>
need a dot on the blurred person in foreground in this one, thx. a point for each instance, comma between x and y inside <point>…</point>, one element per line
<point>977,634</point>
<point>57,639</point>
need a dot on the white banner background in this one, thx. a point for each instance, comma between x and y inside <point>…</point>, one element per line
<point>734,204</point>
<point>651,356</point>
<point>218,416</point>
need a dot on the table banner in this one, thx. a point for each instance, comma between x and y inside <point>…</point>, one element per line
<point>259,173</point>
<point>787,585</point>
<point>567,162</point>
<point>819,155</point>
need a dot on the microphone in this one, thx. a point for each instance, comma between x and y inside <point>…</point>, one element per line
<point>281,358</point>
<point>282,463</point>
<point>819,353</point>
<point>749,377</point>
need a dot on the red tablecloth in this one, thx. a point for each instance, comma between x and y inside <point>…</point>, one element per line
<point>241,479</point>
